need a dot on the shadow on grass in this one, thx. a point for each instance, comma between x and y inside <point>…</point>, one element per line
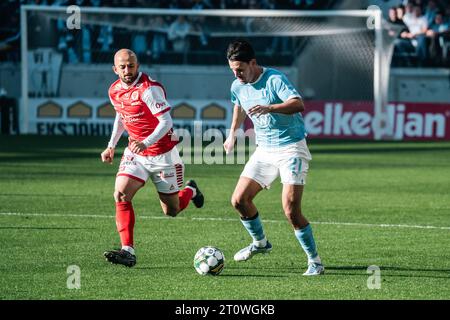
<point>45,228</point>
<point>387,268</point>
<point>226,273</point>
<point>27,195</point>
<point>425,273</point>
<point>253,275</point>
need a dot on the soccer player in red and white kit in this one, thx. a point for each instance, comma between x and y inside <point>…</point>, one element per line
<point>143,111</point>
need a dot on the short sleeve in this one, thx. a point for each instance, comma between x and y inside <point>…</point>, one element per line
<point>111,100</point>
<point>234,98</point>
<point>283,88</point>
<point>155,98</point>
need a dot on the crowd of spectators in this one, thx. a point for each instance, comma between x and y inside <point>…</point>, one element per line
<point>155,39</point>
<point>423,40</point>
<point>424,37</point>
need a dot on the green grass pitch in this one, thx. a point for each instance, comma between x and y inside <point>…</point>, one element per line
<point>384,204</point>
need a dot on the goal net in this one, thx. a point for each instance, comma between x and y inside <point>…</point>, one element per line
<point>339,60</point>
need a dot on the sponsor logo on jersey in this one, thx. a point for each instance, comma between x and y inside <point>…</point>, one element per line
<point>159,105</point>
<point>129,163</point>
<point>132,117</point>
<point>167,174</point>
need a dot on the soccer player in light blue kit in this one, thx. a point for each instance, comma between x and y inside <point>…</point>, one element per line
<point>274,106</point>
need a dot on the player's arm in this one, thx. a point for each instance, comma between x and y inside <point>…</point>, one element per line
<point>280,87</point>
<point>164,125</point>
<point>238,118</point>
<point>155,99</point>
<point>291,106</point>
<point>108,154</point>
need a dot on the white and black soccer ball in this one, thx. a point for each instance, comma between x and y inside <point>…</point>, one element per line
<point>209,261</point>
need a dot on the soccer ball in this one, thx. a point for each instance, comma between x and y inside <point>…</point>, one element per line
<point>209,261</point>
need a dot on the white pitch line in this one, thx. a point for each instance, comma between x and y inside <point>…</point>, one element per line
<point>357,224</point>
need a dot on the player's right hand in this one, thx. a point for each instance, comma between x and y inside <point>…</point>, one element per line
<point>228,145</point>
<point>108,155</point>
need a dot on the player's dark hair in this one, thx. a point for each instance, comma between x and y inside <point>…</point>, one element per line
<point>240,50</point>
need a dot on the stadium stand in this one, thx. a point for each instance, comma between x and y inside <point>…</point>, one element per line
<point>167,42</point>
<point>423,42</point>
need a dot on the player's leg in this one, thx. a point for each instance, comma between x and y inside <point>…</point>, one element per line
<point>256,176</point>
<point>243,195</point>
<point>131,177</point>
<point>170,203</point>
<point>293,170</point>
<point>168,177</point>
<point>173,203</point>
<point>125,189</point>
<point>291,199</point>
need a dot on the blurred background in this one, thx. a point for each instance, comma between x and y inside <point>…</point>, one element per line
<point>62,87</point>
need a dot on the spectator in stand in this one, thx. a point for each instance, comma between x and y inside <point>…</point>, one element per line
<point>159,41</point>
<point>447,13</point>
<point>200,5</point>
<point>394,18</point>
<point>430,11</point>
<point>66,42</point>
<point>172,4</point>
<point>438,33</point>
<point>419,3</point>
<point>409,12</point>
<point>395,27</point>
<point>198,23</point>
<point>178,34</point>
<point>417,28</point>
<point>400,10</point>
<point>86,43</point>
<point>139,38</point>
<point>105,38</point>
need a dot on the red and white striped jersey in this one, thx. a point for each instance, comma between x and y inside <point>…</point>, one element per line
<point>139,105</point>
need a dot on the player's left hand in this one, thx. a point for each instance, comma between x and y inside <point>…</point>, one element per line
<point>259,110</point>
<point>136,146</point>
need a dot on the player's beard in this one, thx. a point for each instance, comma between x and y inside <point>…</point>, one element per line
<point>129,79</point>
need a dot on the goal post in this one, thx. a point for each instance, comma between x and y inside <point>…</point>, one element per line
<point>353,47</point>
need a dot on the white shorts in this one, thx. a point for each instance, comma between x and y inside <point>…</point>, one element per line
<point>290,162</point>
<point>166,170</point>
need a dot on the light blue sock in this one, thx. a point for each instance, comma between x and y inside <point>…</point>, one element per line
<point>306,239</point>
<point>254,227</point>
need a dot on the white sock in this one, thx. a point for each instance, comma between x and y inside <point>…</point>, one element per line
<point>260,243</point>
<point>194,192</point>
<point>129,249</point>
<point>315,260</point>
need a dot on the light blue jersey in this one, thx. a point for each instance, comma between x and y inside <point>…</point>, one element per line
<point>272,130</point>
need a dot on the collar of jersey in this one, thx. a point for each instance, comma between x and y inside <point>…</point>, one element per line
<point>260,76</point>
<point>124,86</point>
